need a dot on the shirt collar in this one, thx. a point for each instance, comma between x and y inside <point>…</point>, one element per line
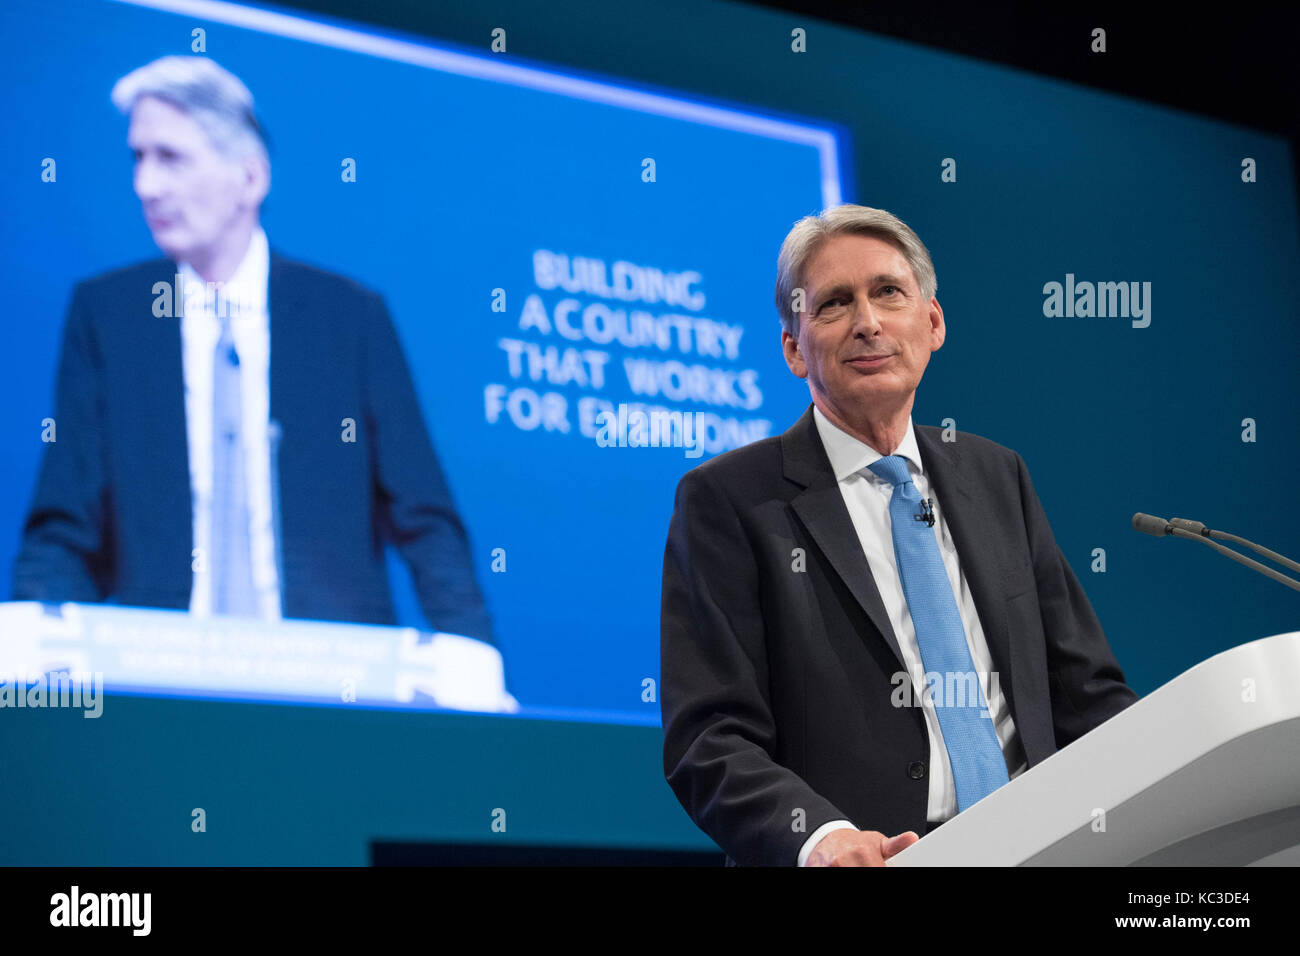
<point>849,456</point>
<point>245,290</point>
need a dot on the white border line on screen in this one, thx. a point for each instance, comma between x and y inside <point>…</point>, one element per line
<point>482,67</point>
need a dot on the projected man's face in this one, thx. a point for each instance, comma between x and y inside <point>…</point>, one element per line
<point>190,192</point>
<point>866,336</point>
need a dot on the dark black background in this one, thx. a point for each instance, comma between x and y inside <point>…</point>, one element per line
<point>1234,62</point>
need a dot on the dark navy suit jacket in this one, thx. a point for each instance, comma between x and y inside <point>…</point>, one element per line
<point>111,515</point>
<point>777,685</point>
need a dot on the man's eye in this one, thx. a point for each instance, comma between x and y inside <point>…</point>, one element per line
<point>894,287</point>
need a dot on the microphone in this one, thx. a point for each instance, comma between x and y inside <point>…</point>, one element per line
<point>1147,524</point>
<point>927,512</point>
<point>1195,531</point>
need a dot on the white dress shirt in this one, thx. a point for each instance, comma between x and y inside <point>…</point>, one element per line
<point>246,292</point>
<point>867,497</point>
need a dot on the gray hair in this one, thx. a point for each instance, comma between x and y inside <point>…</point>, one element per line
<point>219,102</point>
<point>811,232</point>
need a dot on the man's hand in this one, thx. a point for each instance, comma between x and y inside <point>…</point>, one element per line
<point>858,848</point>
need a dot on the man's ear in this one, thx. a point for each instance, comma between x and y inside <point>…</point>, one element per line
<point>793,357</point>
<point>938,330</point>
<point>256,174</point>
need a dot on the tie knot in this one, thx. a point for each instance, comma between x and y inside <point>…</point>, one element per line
<point>892,468</point>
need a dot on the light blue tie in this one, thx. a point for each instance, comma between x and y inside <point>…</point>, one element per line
<point>978,767</point>
<point>232,572</point>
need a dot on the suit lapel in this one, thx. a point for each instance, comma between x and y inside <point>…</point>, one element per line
<point>822,510</point>
<point>978,541</point>
<point>280,310</point>
<point>820,506</point>
<point>159,433</point>
<point>288,336</point>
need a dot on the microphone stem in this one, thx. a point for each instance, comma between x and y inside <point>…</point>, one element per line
<point>1240,558</point>
<point>1271,555</point>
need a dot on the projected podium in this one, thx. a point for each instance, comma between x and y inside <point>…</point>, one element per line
<point>172,653</point>
<point>1203,771</point>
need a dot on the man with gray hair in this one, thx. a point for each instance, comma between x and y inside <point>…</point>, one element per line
<point>202,204</point>
<point>198,467</point>
<point>865,628</point>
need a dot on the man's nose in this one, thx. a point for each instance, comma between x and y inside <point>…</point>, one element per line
<point>865,320</point>
<point>148,180</point>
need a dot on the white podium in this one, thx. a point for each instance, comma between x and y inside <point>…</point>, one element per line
<point>1204,771</point>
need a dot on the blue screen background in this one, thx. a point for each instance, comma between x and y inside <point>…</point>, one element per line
<point>460,179</point>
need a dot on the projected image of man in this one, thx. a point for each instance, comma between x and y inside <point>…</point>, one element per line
<point>238,432</point>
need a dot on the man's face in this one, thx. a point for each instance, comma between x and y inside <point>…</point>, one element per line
<point>190,192</point>
<point>866,336</point>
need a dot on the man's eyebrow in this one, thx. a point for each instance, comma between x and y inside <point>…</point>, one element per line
<point>846,288</point>
<point>841,288</point>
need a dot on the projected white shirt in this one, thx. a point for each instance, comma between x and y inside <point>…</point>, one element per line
<point>250,326</point>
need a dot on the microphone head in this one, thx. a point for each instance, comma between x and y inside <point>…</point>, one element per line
<point>1195,527</point>
<point>1149,524</point>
